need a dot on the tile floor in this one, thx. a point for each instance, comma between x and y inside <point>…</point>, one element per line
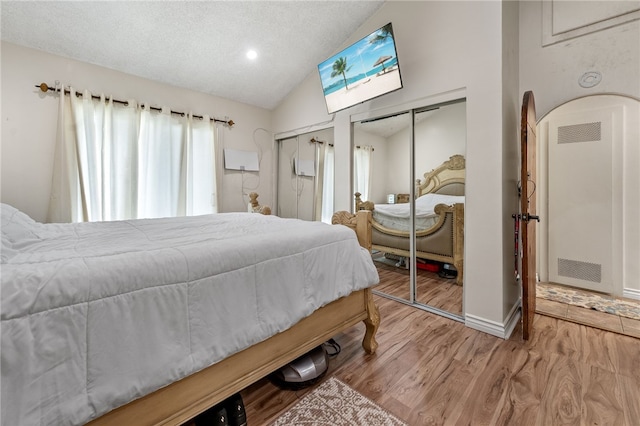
<point>615,323</point>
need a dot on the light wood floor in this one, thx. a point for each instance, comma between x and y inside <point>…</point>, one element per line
<point>441,293</point>
<point>431,370</point>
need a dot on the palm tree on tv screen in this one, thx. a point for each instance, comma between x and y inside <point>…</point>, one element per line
<point>383,34</point>
<point>340,67</point>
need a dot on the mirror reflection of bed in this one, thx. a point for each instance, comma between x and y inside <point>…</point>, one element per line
<point>439,242</point>
<point>439,168</point>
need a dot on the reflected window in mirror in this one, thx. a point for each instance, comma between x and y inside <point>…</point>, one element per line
<point>305,179</point>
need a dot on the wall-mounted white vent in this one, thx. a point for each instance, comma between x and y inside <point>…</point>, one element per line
<point>580,270</point>
<point>585,132</point>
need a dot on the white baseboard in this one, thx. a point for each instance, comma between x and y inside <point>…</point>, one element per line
<point>502,330</point>
<point>631,293</point>
<point>513,319</point>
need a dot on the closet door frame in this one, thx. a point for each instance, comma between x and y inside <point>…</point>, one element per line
<point>413,108</point>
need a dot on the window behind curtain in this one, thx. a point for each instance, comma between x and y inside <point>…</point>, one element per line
<point>117,162</point>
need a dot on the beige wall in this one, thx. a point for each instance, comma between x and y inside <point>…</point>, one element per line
<point>29,125</point>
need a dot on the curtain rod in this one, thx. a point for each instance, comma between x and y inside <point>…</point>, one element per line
<point>314,140</point>
<point>45,87</point>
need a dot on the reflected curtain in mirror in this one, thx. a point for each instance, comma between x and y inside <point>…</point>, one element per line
<point>328,183</point>
<point>362,170</point>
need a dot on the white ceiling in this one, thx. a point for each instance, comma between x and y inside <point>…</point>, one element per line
<point>198,45</point>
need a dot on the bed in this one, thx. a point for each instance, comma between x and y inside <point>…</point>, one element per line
<point>439,218</point>
<point>131,322</point>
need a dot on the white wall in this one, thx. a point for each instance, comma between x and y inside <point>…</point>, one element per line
<point>437,138</point>
<point>29,124</point>
<point>446,50</point>
<point>552,72</point>
<point>511,110</point>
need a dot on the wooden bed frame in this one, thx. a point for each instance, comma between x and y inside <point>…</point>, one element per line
<point>444,241</point>
<point>182,400</point>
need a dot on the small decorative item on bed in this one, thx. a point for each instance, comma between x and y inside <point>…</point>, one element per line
<point>153,321</point>
<point>439,218</point>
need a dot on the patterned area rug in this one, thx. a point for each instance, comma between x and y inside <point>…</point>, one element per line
<point>334,403</point>
<point>598,302</point>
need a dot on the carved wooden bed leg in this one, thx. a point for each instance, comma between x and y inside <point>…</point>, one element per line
<point>458,248</point>
<point>458,264</point>
<point>372,322</point>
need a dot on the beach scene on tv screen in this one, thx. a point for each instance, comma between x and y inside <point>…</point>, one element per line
<point>364,70</point>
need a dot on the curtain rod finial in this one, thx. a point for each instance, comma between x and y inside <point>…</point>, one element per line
<point>230,123</point>
<point>43,86</point>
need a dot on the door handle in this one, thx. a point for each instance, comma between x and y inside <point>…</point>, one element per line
<point>527,217</point>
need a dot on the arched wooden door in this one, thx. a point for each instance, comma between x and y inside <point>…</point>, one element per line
<point>529,217</point>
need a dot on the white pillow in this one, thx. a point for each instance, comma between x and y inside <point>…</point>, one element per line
<point>431,200</point>
<point>16,226</point>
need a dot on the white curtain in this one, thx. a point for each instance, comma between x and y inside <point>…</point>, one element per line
<point>362,173</point>
<point>64,205</point>
<point>117,162</point>
<point>328,183</point>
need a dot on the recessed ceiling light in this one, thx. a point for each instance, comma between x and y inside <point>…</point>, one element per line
<point>252,54</point>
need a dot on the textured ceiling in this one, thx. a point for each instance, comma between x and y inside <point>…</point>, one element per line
<point>191,44</point>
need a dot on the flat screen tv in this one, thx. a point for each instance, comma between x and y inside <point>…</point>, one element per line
<point>365,70</point>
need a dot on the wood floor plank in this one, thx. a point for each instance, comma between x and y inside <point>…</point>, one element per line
<point>442,403</point>
<point>488,391</point>
<point>561,401</point>
<point>431,290</point>
<point>627,357</point>
<point>524,390</point>
<point>557,336</point>
<point>601,399</point>
<point>476,348</point>
<point>594,318</point>
<point>630,398</point>
<point>599,348</point>
<point>630,327</point>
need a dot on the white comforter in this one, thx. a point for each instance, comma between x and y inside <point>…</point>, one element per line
<point>396,216</point>
<point>95,315</point>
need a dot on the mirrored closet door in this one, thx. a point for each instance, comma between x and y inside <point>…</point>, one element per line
<point>305,186</point>
<point>416,186</point>
<point>381,176</point>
